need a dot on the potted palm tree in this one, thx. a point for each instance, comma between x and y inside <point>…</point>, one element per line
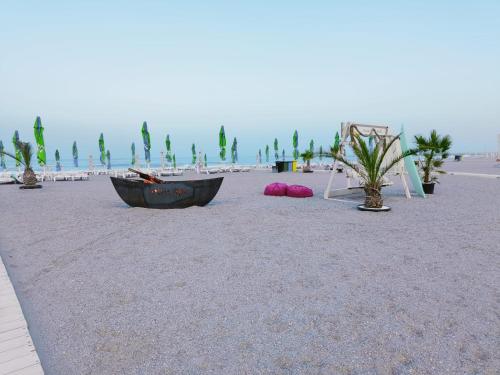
<point>29,177</point>
<point>371,166</point>
<point>434,150</point>
<point>307,156</point>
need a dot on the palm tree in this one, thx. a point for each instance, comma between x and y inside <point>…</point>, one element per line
<point>307,156</point>
<point>434,151</point>
<point>371,166</point>
<point>26,151</point>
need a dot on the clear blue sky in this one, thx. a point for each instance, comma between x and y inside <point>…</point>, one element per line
<point>260,68</point>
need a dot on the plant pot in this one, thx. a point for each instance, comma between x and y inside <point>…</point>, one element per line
<point>362,207</point>
<point>428,187</point>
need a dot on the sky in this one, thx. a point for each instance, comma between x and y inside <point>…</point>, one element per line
<point>260,68</point>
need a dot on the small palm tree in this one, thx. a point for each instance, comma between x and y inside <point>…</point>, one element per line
<point>307,156</point>
<point>29,177</point>
<point>434,151</point>
<point>371,166</point>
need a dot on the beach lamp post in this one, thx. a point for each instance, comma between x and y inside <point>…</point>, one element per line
<point>102,150</point>
<point>162,160</point>
<point>295,144</point>
<point>147,143</point>
<point>40,143</point>
<point>222,143</point>
<point>91,163</point>
<point>75,154</point>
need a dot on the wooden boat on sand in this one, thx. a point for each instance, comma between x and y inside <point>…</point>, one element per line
<point>166,194</point>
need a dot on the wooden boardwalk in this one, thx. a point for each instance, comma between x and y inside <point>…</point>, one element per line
<point>17,352</point>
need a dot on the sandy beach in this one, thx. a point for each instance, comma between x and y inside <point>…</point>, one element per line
<point>259,285</point>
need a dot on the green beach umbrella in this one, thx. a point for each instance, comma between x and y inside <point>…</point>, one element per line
<point>169,149</point>
<point>276,156</point>
<point>75,154</point>
<point>2,156</point>
<point>222,143</point>
<point>147,142</point>
<point>234,151</point>
<point>58,161</point>
<point>295,143</point>
<point>205,159</point>
<point>173,161</point>
<point>267,153</point>
<point>311,146</point>
<point>102,149</point>
<point>41,155</point>
<point>320,152</point>
<point>193,152</point>
<point>108,158</point>
<point>132,148</point>
<point>15,140</point>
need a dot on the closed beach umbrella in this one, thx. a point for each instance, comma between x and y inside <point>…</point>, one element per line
<point>108,157</point>
<point>267,153</point>
<point>102,150</point>
<point>311,146</point>
<point>147,142</point>
<point>234,151</point>
<point>75,154</point>
<point>260,156</point>
<point>205,159</point>
<point>222,143</point>
<point>41,155</point>
<point>283,154</point>
<point>169,149</point>
<point>15,140</point>
<point>295,143</point>
<point>173,161</point>
<point>132,148</point>
<point>2,156</point>
<point>276,149</point>
<point>193,154</point>
<point>58,161</point>
<point>320,152</point>
<point>336,143</point>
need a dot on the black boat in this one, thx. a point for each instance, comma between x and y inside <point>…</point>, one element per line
<point>167,194</point>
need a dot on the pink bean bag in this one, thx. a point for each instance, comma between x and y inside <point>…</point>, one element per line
<point>276,189</point>
<point>299,191</point>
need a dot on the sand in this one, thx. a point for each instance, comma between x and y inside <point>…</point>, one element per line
<point>258,285</point>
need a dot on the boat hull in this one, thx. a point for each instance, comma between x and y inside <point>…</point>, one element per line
<point>169,194</point>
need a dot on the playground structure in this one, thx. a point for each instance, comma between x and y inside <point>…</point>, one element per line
<point>376,133</point>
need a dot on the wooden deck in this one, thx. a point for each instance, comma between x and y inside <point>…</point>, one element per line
<point>17,352</point>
